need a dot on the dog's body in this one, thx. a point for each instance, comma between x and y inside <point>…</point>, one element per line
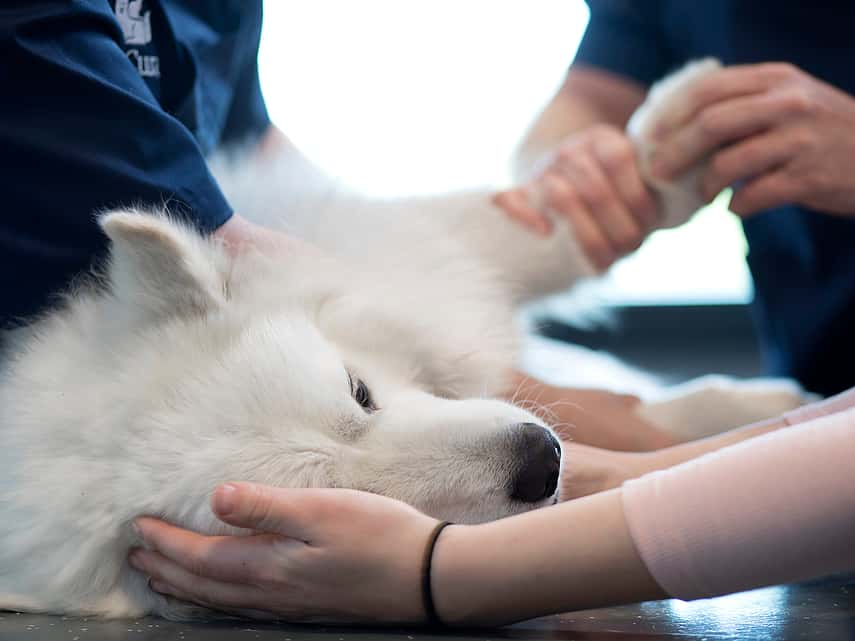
<point>369,366</point>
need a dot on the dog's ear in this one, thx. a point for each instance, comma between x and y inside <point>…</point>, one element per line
<point>161,266</point>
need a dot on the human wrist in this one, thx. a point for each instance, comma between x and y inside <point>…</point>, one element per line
<point>590,470</point>
<point>455,581</point>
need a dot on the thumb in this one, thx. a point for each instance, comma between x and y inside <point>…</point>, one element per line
<point>265,508</point>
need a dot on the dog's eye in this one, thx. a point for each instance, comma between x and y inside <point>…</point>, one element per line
<point>361,394</point>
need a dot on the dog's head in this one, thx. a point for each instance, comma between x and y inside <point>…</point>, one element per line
<point>305,372</point>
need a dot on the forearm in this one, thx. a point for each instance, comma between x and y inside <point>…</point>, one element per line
<point>774,509</point>
<point>586,97</point>
<point>573,556</point>
<point>677,454</point>
<point>592,469</point>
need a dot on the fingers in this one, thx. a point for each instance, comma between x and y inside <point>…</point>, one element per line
<point>517,204</point>
<point>615,219</point>
<point>764,192</point>
<point>270,509</point>
<point>224,558</point>
<point>594,183</point>
<point>721,124</point>
<point>617,157</point>
<point>563,200</point>
<point>171,578</point>
<point>725,84</point>
<point>751,157</point>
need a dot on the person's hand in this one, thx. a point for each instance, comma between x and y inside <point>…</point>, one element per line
<point>238,234</point>
<point>779,134</point>
<point>593,181</point>
<point>318,555</point>
<point>594,417</point>
<point>589,470</point>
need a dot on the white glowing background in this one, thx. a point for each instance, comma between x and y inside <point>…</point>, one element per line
<point>416,97</point>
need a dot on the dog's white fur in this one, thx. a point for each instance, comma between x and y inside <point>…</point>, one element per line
<point>683,195</point>
<point>183,367</point>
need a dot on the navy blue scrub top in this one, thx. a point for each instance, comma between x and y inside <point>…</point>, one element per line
<point>109,103</point>
<point>802,261</point>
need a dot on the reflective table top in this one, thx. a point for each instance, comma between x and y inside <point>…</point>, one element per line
<point>817,611</point>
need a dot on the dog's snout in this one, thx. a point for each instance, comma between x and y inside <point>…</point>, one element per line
<point>539,456</point>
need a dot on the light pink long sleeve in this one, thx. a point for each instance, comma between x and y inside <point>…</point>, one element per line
<point>773,509</point>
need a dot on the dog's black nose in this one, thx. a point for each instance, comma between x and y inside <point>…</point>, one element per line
<point>539,459</point>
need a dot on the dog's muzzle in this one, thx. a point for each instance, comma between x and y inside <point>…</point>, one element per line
<point>539,461</point>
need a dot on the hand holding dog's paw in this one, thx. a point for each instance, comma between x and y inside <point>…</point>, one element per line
<point>594,182</point>
<point>774,131</point>
<point>316,555</point>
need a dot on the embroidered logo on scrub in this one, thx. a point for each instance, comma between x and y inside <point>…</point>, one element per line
<point>136,28</point>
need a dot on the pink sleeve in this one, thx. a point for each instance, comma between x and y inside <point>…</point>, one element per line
<point>823,408</point>
<point>773,509</point>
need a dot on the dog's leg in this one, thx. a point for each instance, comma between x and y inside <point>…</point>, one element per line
<point>530,266</point>
<point>714,404</point>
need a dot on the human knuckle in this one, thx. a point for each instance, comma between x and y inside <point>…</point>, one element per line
<point>627,240</point>
<point>797,100</point>
<point>709,123</point>
<point>643,207</point>
<point>259,507</point>
<point>594,191</point>
<point>801,139</point>
<point>555,181</point>
<point>603,256</point>
<point>720,164</point>
<point>598,250</point>
<point>704,92</point>
<point>811,182</point>
<point>559,199</point>
<point>268,575</point>
<point>782,70</point>
<point>617,155</point>
<point>199,564</point>
<point>565,154</point>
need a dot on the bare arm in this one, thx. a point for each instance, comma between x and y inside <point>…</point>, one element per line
<point>574,556</point>
<point>599,469</point>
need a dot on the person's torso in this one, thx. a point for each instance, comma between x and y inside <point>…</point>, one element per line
<point>191,54</point>
<point>803,262</point>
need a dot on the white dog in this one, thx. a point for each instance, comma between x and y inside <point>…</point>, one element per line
<point>369,366</point>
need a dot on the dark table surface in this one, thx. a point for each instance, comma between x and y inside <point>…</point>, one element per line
<point>819,611</point>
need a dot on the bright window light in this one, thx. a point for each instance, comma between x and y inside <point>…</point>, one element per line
<point>400,98</point>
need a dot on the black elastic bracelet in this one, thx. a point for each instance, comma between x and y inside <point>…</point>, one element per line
<point>427,591</point>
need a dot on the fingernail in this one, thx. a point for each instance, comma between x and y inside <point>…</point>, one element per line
<point>135,559</point>
<point>158,586</point>
<point>225,499</point>
<point>137,530</point>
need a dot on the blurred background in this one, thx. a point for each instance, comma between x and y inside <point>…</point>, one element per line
<point>402,98</point>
